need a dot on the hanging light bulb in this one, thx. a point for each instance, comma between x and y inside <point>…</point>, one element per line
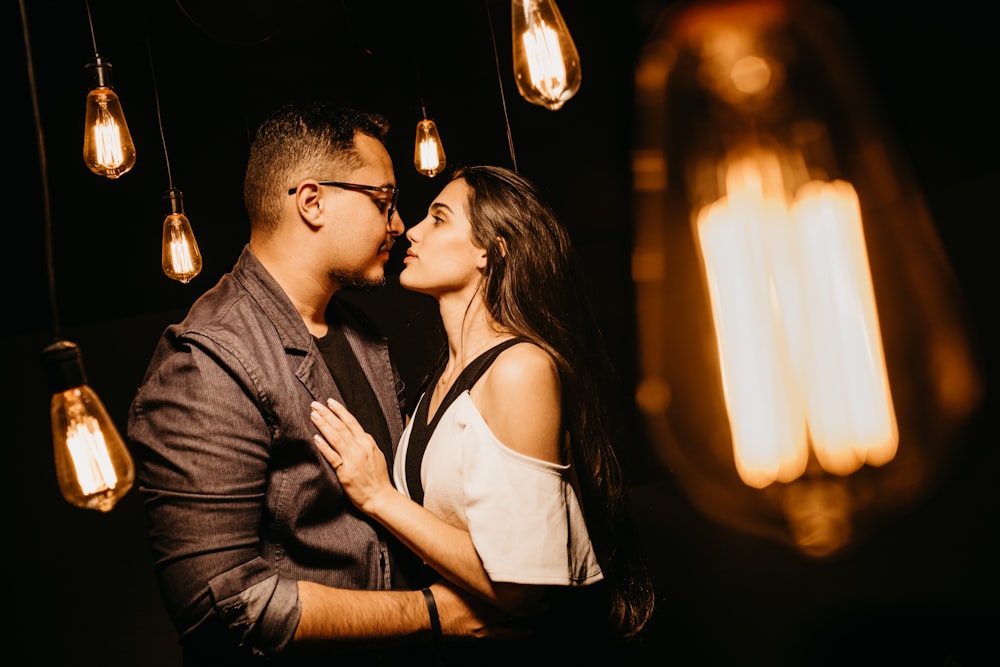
<point>181,258</point>
<point>107,143</point>
<point>546,63</point>
<point>93,467</point>
<point>428,151</point>
<point>806,360</point>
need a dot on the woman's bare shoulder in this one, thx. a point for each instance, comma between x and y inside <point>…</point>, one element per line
<point>520,400</point>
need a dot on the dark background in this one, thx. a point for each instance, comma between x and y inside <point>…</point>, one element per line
<point>921,590</point>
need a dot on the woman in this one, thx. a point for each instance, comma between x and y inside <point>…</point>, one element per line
<point>508,483</point>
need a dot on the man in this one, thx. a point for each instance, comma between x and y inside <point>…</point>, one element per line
<point>258,553</point>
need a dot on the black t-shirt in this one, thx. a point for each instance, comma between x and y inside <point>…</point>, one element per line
<point>354,387</point>
<point>408,571</point>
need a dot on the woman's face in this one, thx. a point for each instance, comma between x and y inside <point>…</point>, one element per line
<point>441,258</point>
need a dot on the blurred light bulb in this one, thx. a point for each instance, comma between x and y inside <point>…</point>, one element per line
<point>107,144</point>
<point>428,151</point>
<point>181,258</point>
<point>93,467</point>
<point>806,360</point>
<point>546,63</point>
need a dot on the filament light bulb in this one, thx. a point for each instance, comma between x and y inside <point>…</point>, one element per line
<point>107,143</point>
<point>806,360</point>
<point>93,467</point>
<point>181,259</point>
<point>546,62</point>
<point>428,151</point>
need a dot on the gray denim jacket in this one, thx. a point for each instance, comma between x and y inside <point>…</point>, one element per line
<point>240,504</point>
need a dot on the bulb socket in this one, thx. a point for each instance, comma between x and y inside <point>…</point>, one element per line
<point>100,73</point>
<point>176,198</point>
<point>63,364</point>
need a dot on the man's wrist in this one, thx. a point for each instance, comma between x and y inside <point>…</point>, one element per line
<point>432,612</point>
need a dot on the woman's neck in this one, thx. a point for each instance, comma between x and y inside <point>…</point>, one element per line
<point>470,332</point>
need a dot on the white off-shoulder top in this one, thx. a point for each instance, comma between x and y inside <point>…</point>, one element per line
<point>522,513</point>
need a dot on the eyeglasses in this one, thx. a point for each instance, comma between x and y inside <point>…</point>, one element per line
<point>387,189</point>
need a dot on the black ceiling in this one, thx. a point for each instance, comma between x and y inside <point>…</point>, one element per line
<point>219,64</point>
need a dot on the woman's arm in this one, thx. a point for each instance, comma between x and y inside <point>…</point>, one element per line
<point>362,471</point>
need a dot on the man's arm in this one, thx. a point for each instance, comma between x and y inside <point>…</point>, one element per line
<point>334,614</point>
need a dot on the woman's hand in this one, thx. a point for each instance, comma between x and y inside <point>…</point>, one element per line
<point>357,460</point>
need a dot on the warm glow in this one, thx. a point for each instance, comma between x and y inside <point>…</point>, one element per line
<point>798,339</point>
<point>180,255</point>
<point>428,152</point>
<point>750,74</point>
<point>746,251</point>
<point>429,155</point>
<point>546,62</point>
<point>108,140</point>
<point>806,366</point>
<point>89,451</point>
<point>93,467</point>
<point>107,145</point>
<point>851,417</point>
<point>181,258</point>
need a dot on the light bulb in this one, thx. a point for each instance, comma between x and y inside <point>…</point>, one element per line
<point>428,151</point>
<point>546,63</point>
<point>93,467</point>
<point>806,362</point>
<point>107,143</point>
<point>180,257</point>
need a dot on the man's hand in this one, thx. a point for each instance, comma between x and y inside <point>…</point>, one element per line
<point>464,616</point>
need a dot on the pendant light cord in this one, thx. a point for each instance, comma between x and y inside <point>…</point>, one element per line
<point>159,117</point>
<point>503,100</point>
<point>90,22</point>
<point>46,199</point>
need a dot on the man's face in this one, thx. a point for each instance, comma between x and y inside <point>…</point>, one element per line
<point>360,234</point>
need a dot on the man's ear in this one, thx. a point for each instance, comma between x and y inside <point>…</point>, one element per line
<point>309,203</point>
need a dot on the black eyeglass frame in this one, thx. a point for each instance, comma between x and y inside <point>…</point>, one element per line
<point>388,189</point>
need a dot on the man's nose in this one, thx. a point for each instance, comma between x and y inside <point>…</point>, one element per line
<point>396,226</point>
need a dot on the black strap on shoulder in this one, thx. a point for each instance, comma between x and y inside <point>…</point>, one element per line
<point>420,432</point>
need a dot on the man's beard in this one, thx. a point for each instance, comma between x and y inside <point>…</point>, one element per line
<point>356,280</point>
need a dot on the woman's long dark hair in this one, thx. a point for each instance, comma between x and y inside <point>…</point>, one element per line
<point>534,287</point>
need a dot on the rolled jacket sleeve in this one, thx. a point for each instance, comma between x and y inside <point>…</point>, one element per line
<point>204,467</point>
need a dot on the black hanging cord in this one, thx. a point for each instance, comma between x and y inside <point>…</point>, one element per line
<point>275,20</point>
<point>49,264</point>
<point>90,21</point>
<point>503,100</point>
<point>159,117</point>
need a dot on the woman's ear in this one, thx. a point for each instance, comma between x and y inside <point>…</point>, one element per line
<point>483,259</point>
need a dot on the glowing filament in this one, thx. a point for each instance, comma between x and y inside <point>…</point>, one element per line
<point>545,60</point>
<point>851,417</point>
<point>107,143</point>
<point>180,256</point>
<point>108,140</point>
<point>429,155</point>
<point>798,338</point>
<point>94,470</point>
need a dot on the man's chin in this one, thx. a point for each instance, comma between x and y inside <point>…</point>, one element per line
<point>365,285</point>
